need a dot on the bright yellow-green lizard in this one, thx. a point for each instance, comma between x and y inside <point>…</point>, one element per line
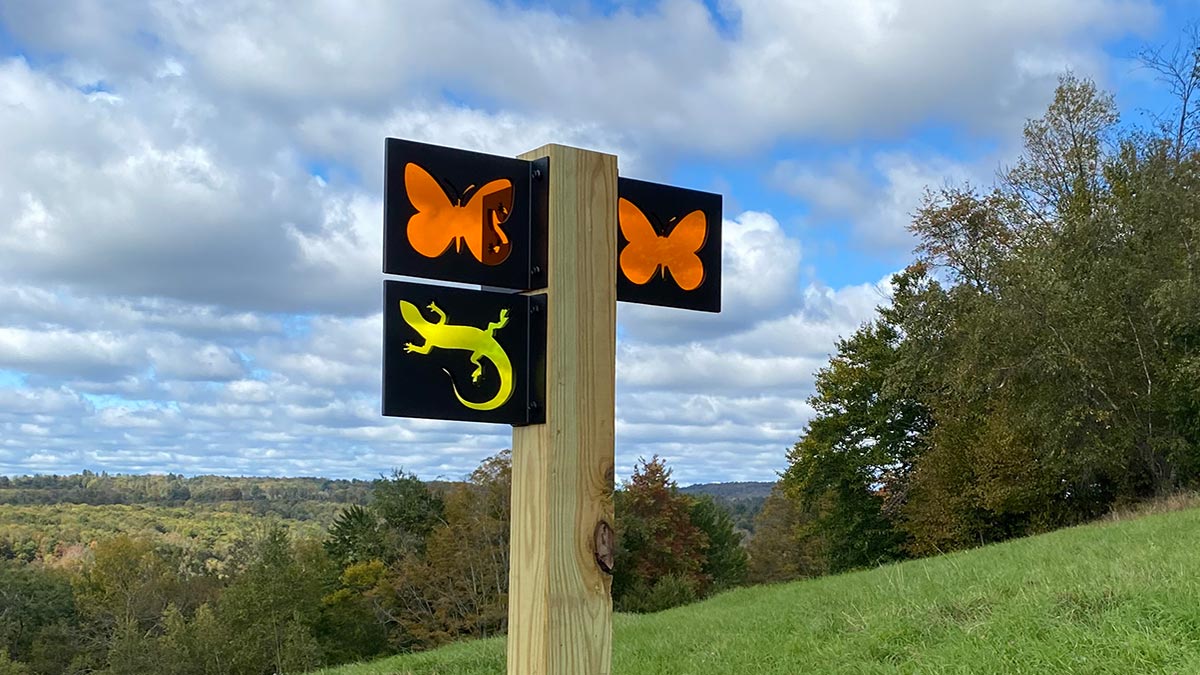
<point>480,342</point>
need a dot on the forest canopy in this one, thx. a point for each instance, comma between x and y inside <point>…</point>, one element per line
<point>1039,361</point>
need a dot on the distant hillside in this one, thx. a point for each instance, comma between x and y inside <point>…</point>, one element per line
<point>169,489</point>
<point>1113,597</point>
<point>47,515</point>
<point>51,516</point>
<point>742,490</point>
<point>742,500</point>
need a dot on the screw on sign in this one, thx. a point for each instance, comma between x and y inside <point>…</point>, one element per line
<point>557,219</point>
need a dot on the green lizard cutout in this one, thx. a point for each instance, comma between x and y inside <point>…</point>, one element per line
<point>480,343</point>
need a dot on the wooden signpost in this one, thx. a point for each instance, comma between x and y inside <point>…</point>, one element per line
<point>571,239</point>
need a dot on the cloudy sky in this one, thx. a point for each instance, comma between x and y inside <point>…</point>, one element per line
<point>191,201</point>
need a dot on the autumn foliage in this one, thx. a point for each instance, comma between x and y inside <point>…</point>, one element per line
<point>671,548</point>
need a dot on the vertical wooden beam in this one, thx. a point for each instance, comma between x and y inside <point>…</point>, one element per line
<point>560,598</point>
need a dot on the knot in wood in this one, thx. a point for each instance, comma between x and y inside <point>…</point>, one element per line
<point>604,546</point>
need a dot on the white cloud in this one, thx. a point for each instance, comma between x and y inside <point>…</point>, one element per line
<point>667,74</point>
<point>178,291</point>
<point>64,353</point>
<point>355,139</point>
<point>876,197</point>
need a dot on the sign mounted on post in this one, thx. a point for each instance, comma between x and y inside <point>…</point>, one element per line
<point>464,216</point>
<point>483,355</point>
<point>457,354</point>
<point>669,246</point>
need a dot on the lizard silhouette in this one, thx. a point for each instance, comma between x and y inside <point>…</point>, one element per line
<point>480,342</point>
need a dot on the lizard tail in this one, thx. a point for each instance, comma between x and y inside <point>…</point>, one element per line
<point>501,397</point>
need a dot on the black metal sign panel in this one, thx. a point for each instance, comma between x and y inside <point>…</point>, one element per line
<point>458,354</point>
<point>464,216</point>
<point>668,246</point>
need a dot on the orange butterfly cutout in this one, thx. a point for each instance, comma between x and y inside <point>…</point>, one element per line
<point>647,252</point>
<point>440,222</point>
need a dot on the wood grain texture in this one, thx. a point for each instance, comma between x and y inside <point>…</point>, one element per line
<point>560,601</point>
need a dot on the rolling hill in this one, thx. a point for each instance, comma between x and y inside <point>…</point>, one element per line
<point>1118,596</point>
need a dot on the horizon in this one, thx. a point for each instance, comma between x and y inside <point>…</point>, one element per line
<point>436,479</point>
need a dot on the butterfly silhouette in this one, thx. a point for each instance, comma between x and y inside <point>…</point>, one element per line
<point>647,252</point>
<point>440,222</point>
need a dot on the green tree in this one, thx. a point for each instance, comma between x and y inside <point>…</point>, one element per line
<point>11,667</point>
<point>356,536</point>
<point>1055,361</point>
<point>270,611</point>
<point>35,602</point>
<point>857,451</point>
<point>407,510</point>
<point>725,560</point>
<point>458,587</point>
<point>1047,336</point>
<point>776,551</point>
<point>351,627</point>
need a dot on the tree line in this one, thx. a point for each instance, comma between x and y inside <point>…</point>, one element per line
<point>173,489</point>
<point>1038,364</point>
<point>415,566</point>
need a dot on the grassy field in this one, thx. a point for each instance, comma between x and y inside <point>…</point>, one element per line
<point>1112,597</point>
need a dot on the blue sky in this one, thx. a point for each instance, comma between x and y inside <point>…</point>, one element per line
<point>190,206</point>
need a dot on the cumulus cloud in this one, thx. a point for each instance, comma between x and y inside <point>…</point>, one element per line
<point>354,139</point>
<point>875,197</point>
<point>190,229</point>
<point>668,71</point>
<point>760,266</point>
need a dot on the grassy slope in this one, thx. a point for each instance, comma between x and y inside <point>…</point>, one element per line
<point>1113,597</point>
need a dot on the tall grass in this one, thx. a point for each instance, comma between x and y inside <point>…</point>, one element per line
<point>1118,596</point>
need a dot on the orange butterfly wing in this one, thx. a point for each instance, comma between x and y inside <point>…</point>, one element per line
<point>439,223</point>
<point>681,246</point>
<point>639,259</point>
<point>646,252</point>
<point>433,228</point>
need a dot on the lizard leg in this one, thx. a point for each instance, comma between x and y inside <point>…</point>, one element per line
<point>417,349</point>
<point>438,310</point>
<point>497,325</point>
<point>478,373</point>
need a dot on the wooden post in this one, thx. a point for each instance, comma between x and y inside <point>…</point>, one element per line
<point>560,590</point>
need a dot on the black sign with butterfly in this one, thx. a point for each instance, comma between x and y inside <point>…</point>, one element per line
<point>464,216</point>
<point>668,246</point>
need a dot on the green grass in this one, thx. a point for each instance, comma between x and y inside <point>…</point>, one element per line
<point>1112,597</point>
